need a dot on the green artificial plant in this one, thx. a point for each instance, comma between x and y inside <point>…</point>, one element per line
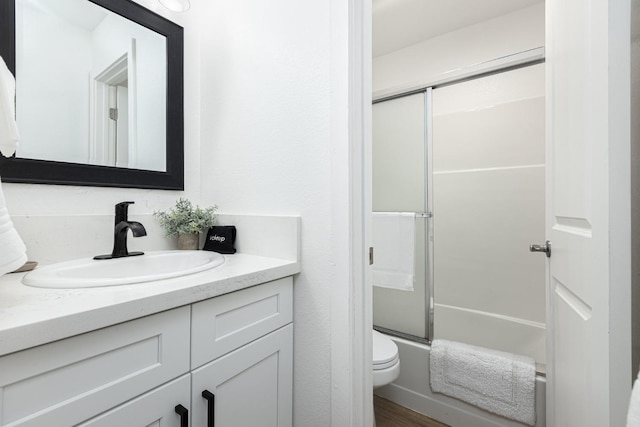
<point>185,219</point>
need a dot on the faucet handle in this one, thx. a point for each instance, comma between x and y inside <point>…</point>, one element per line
<point>122,212</point>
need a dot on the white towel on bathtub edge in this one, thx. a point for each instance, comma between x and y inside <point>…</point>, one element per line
<point>499,382</point>
<point>394,256</point>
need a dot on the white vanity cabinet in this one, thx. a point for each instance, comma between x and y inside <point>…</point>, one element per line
<point>238,346</point>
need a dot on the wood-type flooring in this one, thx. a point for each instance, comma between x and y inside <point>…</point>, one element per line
<point>389,414</point>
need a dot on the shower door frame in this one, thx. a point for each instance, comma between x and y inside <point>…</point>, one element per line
<point>500,65</point>
<point>427,213</point>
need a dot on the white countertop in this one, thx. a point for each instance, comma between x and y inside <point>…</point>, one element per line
<point>34,316</point>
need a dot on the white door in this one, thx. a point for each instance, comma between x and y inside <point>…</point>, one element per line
<point>122,124</point>
<point>588,222</point>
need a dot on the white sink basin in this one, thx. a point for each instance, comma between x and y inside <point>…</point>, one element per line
<point>89,273</point>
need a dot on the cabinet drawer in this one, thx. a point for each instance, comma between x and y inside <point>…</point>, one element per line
<point>156,408</point>
<point>71,380</point>
<point>225,323</point>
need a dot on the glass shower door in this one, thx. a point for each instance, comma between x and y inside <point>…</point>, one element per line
<point>488,205</point>
<point>400,188</point>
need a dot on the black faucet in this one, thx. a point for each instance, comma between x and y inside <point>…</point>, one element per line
<point>122,226</point>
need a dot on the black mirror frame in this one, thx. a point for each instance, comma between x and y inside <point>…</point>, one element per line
<point>20,170</point>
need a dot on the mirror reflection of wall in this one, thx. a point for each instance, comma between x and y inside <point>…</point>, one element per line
<point>75,62</point>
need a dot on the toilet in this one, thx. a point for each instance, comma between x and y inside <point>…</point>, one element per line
<point>386,362</point>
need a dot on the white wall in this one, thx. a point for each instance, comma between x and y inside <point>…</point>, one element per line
<point>269,145</point>
<point>496,38</point>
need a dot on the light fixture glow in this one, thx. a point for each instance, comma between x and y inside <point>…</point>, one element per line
<point>176,5</point>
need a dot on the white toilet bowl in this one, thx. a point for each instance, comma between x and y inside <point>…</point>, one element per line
<point>386,362</point>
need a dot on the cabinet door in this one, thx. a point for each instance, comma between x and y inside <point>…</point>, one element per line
<point>153,409</point>
<point>252,386</point>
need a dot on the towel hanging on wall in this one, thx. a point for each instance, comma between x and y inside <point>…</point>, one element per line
<point>502,383</point>
<point>9,136</point>
<point>633,415</point>
<point>394,243</point>
<point>12,249</point>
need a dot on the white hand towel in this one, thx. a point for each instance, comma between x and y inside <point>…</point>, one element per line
<point>633,416</point>
<point>394,256</point>
<point>12,250</point>
<point>9,136</point>
<point>502,383</point>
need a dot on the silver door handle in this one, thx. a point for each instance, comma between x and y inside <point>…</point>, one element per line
<point>546,248</point>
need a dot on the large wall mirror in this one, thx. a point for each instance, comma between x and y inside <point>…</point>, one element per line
<point>99,93</point>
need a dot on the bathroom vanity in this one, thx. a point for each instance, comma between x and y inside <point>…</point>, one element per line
<point>177,352</point>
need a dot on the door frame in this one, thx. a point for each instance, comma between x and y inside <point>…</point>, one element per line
<point>351,312</point>
<point>357,408</point>
<point>122,68</point>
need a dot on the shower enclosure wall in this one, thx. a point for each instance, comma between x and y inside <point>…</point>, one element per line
<point>487,185</point>
<point>472,154</point>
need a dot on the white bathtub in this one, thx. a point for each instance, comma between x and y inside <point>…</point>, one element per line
<point>412,390</point>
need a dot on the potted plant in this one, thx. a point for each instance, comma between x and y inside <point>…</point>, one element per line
<point>186,222</point>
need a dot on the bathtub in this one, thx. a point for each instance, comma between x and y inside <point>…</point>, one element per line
<point>412,390</point>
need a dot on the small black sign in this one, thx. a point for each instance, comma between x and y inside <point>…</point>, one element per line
<point>221,239</point>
